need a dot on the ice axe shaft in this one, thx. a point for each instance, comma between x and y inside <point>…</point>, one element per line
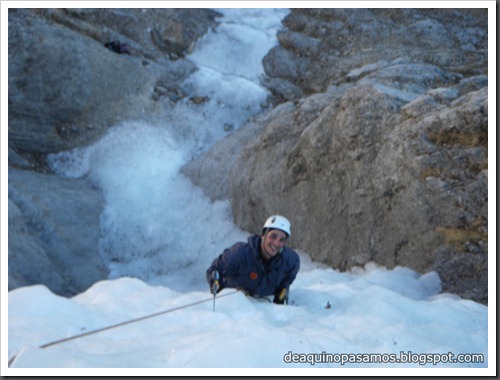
<point>215,286</point>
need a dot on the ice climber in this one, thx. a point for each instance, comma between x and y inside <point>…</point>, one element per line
<point>261,267</point>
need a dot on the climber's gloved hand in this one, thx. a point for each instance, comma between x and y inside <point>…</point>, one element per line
<point>281,296</point>
<point>215,286</point>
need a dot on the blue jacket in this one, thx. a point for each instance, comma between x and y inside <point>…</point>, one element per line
<point>241,266</point>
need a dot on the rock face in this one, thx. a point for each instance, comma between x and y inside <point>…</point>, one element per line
<point>53,232</point>
<point>73,73</point>
<point>67,84</point>
<point>378,151</point>
<point>320,47</point>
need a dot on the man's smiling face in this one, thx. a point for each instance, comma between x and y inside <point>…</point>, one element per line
<point>272,243</point>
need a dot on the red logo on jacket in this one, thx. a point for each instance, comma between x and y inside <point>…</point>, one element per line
<point>253,275</point>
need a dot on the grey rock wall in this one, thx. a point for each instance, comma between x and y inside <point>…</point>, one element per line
<point>377,148</point>
<point>53,232</point>
<point>74,73</point>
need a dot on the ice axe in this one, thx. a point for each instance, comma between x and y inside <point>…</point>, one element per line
<point>215,284</point>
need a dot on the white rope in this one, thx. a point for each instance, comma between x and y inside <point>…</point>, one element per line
<point>11,360</point>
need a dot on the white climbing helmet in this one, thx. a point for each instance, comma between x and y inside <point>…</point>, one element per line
<point>278,222</point>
